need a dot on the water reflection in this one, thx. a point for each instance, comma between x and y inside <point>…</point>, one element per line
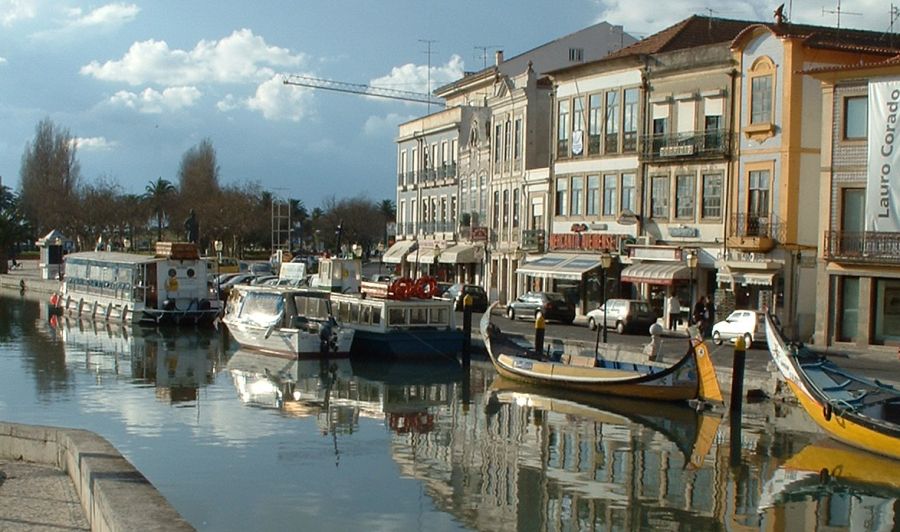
<point>420,446</point>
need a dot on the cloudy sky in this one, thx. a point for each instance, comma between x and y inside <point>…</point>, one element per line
<point>141,82</point>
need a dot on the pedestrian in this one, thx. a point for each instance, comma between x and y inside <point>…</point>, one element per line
<point>700,314</point>
<point>710,315</point>
<point>673,307</point>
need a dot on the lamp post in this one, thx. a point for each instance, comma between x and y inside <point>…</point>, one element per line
<point>691,259</point>
<point>605,263</point>
<point>217,245</point>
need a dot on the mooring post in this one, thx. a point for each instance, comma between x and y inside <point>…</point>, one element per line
<point>539,326</point>
<point>737,377</point>
<point>467,331</point>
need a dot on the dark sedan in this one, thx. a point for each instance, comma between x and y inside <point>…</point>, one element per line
<point>550,305</point>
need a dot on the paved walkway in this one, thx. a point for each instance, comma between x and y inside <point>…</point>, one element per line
<point>36,497</point>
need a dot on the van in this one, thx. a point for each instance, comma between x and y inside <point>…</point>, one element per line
<point>223,265</point>
<point>623,315</point>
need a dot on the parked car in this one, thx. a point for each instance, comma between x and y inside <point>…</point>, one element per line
<point>240,278</point>
<point>550,305</point>
<point>458,292</point>
<point>623,315</point>
<point>748,324</point>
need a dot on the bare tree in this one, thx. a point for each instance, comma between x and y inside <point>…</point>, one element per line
<point>198,184</point>
<point>50,174</point>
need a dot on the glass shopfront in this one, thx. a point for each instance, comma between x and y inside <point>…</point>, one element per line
<point>887,311</point>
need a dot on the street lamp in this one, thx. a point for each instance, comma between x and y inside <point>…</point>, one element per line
<point>691,259</point>
<point>217,245</point>
<point>605,263</point>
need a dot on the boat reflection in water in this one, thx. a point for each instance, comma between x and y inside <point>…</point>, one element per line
<point>834,486</point>
<point>177,362</point>
<point>337,392</point>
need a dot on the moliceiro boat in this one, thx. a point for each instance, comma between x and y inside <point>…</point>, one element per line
<point>168,287</point>
<point>691,377</point>
<point>287,321</point>
<point>860,412</point>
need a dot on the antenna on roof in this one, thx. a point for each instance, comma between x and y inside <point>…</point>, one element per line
<point>894,15</point>
<point>484,51</point>
<point>837,11</point>
<point>429,42</point>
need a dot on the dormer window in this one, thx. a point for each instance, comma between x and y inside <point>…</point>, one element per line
<point>576,55</point>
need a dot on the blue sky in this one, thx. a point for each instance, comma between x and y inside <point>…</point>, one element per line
<point>139,83</point>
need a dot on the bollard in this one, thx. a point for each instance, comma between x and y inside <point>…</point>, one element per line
<point>737,376</point>
<point>539,336</point>
<point>467,331</point>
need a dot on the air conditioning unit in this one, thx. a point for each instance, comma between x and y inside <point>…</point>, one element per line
<point>646,240</point>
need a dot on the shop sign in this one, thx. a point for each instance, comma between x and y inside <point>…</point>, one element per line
<point>585,241</point>
<point>683,232</point>
<point>479,234</point>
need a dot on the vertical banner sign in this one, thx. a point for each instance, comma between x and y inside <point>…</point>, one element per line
<point>883,185</point>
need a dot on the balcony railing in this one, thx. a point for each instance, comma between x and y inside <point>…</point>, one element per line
<point>862,246</point>
<point>707,144</point>
<point>754,233</point>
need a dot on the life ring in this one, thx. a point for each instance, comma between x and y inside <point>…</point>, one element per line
<point>826,411</point>
<point>402,288</point>
<point>54,300</point>
<point>425,287</point>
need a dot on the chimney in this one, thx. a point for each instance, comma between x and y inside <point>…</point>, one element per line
<point>498,56</point>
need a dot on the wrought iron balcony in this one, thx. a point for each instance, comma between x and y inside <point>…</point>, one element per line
<point>862,246</point>
<point>707,144</point>
<point>754,233</point>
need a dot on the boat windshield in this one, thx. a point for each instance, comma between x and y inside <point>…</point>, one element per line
<point>262,307</point>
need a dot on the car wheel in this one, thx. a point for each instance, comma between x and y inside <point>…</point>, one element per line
<point>748,340</point>
<point>717,338</point>
<point>620,327</point>
<point>510,313</point>
<point>592,325</point>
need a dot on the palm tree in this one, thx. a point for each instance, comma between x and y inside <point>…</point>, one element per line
<point>388,210</point>
<point>157,195</point>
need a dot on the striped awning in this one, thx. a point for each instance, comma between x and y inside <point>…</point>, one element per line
<point>746,278</point>
<point>660,273</point>
<point>458,254</point>
<point>395,253</point>
<point>560,266</point>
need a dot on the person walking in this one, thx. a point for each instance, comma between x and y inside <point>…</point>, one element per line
<point>710,315</point>
<point>700,314</point>
<point>673,309</point>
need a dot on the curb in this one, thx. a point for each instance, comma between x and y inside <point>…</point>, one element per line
<point>114,495</point>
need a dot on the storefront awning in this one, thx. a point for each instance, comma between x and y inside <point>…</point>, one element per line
<point>422,256</point>
<point>560,266</point>
<point>664,273</point>
<point>395,253</point>
<point>745,278</point>
<point>458,254</point>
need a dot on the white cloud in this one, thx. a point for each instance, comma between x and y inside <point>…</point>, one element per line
<point>380,126</point>
<point>242,57</point>
<point>410,77</point>
<point>110,15</point>
<point>151,101</point>
<point>94,143</point>
<point>277,101</point>
<point>229,103</point>
<point>15,10</point>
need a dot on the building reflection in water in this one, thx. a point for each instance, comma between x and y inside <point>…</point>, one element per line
<point>177,362</point>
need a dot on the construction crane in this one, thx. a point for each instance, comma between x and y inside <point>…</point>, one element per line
<point>356,88</point>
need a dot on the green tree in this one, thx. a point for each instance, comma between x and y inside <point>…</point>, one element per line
<point>50,174</point>
<point>159,196</point>
<point>13,226</point>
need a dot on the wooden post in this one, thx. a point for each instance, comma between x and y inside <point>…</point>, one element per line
<point>737,377</point>
<point>467,331</point>
<point>539,326</point>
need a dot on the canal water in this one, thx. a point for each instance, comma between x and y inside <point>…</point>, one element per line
<point>240,441</point>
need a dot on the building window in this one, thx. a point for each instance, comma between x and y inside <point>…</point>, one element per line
<point>611,139</point>
<point>473,195</point>
<point>463,192</point>
<point>609,194</point>
<point>505,208</point>
<point>507,140</point>
<point>684,197</point>
<point>761,100</point>
<point>595,119</point>
<point>576,55</point>
<point>712,196</point>
<point>517,153</point>
<point>498,132</point>
<point>627,199</point>
<point>887,311</point>
<point>630,118</point>
<point>496,209</point>
<point>849,315</point>
<point>482,208</point>
<point>562,196</point>
<point>659,197</point>
<point>593,195</point>
<point>516,206</point>
<point>577,196</point>
<point>562,130</point>
<point>856,119</point>
<point>758,194</point>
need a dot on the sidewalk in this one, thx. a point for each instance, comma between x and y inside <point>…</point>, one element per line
<point>38,497</point>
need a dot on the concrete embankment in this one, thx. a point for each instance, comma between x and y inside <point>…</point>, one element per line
<point>113,494</point>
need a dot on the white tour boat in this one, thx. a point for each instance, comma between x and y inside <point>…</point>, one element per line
<point>292,321</point>
<point>169,287</point>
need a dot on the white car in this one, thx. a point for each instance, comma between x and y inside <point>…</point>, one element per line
<point>748,324</point>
